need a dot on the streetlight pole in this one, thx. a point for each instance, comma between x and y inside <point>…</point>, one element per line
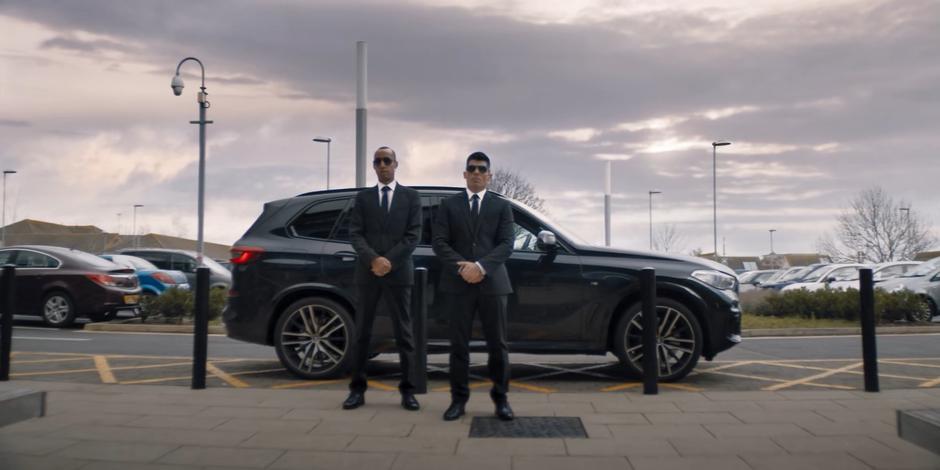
<point>907,224</point>
<point>136,236</point>
<point>715,146</point>
<point>3,237</point>
<point>202,99</point>
<point>327,141</point>
<point>607,171</point>
<point>651,216</point>
<point>772,240</point>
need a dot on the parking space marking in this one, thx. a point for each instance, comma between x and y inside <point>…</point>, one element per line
<point>228,378</point>
<point>853,372</point>
<point>41,361</point>
<point>381,386</point>
<point>306,383</point>
<point>104,370</point>
<point>46,338</point>
<point>771,379</point>
<point>930,383</point>
<point>906,363</point>
<point>788,384</point>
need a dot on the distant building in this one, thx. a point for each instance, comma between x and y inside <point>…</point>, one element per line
<point>774,261</point>
<point>926,255</point>
<point>94,240</point>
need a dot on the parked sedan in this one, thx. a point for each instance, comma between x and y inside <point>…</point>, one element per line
<point>923,280</point>
<point>293,289</point>
<point>153,280</point>
<point>821,278</point>
<point>61,284</point>
<point>880,272</point>
<point>793,275</point>
<point>753,279</point>
<point>185,261</point>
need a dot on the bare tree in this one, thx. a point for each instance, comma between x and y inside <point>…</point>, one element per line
<point>877,228</point>
<point>513,185</point>
<point>668,238</point>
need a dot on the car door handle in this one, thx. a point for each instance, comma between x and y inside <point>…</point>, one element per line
<point>346,255</point>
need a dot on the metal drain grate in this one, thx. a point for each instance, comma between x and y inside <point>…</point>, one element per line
<point>528,426</point>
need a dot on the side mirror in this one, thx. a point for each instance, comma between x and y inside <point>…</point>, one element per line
<point>547,241</point>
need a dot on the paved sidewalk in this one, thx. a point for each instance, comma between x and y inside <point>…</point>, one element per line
<point>162,427</point>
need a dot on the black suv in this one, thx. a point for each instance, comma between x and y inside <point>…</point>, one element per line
<point>293,289</point>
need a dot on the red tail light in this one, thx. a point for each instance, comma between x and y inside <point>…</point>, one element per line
<point>163,277</point>
<point>103,279</point>
<point>245,254</point>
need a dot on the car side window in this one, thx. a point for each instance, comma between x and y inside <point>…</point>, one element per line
<point>341,232</point>
<point>6,256</point>
<point>318,220</point>
<point>31,259</point>
<point>525,234</point>
<point>183,263</point>
<point>160,260</point>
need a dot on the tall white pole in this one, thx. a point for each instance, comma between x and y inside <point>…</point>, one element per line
<point>361,113</point>
<point>607,203</point>
<point>4,236</point>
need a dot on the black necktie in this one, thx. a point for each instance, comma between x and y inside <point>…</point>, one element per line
<point>475,206</point>
<point>385,191</point>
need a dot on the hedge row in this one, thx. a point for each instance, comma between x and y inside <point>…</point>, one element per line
<point>836,304</point>
<point>176,305</point>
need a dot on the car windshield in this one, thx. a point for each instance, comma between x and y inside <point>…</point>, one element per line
<point>924,269</point>
<point>566,234</point>
<point>796,273</point>
<point>133,262</point>
<point>844,274</point>
<point>764,277</point>
<point>746,277</point>
<point>813,274</point>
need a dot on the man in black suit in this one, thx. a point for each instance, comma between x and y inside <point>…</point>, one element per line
<point>384,227</point>
<point>473,236</point>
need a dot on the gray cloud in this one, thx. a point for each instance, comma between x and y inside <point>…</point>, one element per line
<point>74,44</point>
<point>14,123</point>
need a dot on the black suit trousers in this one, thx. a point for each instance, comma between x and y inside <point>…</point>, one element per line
<point>398,300</point>
<point>492,312</point>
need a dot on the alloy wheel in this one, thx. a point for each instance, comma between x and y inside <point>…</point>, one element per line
<point>56,309</point>
<point>314,339</point>
<point>675,341</point>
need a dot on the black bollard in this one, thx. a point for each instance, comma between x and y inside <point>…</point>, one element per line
<point>650,327</point>
<point>7,291</point>
<point>201,328</point>
<point>419,311</point>
<point>869,350</point>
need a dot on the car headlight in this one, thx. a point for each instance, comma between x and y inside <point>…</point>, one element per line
<point>716,279</point>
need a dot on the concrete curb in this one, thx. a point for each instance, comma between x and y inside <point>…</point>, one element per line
<point>138,328</point>
<point>754,333</point>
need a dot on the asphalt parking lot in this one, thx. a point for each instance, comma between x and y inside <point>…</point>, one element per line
<point>529,376</point>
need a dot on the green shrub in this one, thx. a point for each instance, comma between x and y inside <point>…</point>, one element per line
<point>177,306</point>
<point>836,305</point>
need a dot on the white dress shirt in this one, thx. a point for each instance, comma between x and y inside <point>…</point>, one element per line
<point>391,193</point>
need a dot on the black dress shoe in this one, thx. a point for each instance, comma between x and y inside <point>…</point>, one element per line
<point>354,400</point>
<point>409,402</point>
<point>504,412</point>
<point>454,411</point>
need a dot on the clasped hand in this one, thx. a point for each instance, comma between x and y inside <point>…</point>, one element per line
<point>381,266</point>
<point>469,271</point>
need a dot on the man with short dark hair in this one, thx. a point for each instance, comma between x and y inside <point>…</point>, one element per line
<point>473,236</point>
<point>384,227</point>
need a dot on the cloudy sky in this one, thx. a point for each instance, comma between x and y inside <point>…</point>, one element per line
<point>820,99</point>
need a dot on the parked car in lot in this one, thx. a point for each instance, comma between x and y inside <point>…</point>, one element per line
<point>753,279</point>
<point>293,289</point>
<point>61,284</point>
<point>822,278</point>
<point>185,261</point>
<point>153,280</point>
<point>793,276</point>
<point>880,272</point>
<point>923,280</point>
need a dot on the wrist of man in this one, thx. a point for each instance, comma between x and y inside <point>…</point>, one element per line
<point>482,271</point>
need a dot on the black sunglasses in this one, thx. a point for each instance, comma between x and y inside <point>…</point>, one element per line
<point>382,161</point>
<point>477,168</point>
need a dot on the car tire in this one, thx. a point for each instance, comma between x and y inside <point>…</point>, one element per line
<point>679,351</point>
<point>308,353</point>
<point>58,309</point>
<point>925,315</point>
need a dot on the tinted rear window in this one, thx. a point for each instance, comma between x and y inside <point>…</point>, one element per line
<point>319,219</point>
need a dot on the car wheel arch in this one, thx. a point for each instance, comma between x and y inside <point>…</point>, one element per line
<point>293,294</point>
<point>672,291</point>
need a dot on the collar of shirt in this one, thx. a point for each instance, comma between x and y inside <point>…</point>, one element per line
<point>470,196</point>
<point>391,185</point>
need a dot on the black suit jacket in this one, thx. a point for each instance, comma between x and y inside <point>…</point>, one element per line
<point>489,242</point>
<point>393,235</point>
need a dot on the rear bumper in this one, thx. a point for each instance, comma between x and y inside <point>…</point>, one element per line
<point>110,300</point>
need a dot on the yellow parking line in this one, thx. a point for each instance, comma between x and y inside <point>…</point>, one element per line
<point>307,383</point>
<point>41,361</point>
<point>104,370</point>
<point>183,377</point>
<point>532,388</point>
<point>382,386</point>
<point>228,378</point>
<point>770,379</point>
<point>905,363</point>
<point>930,383</point>
<point>625,386</point>
<point>683,387</point>
<point>811,378</point>
<point>75,371</point>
